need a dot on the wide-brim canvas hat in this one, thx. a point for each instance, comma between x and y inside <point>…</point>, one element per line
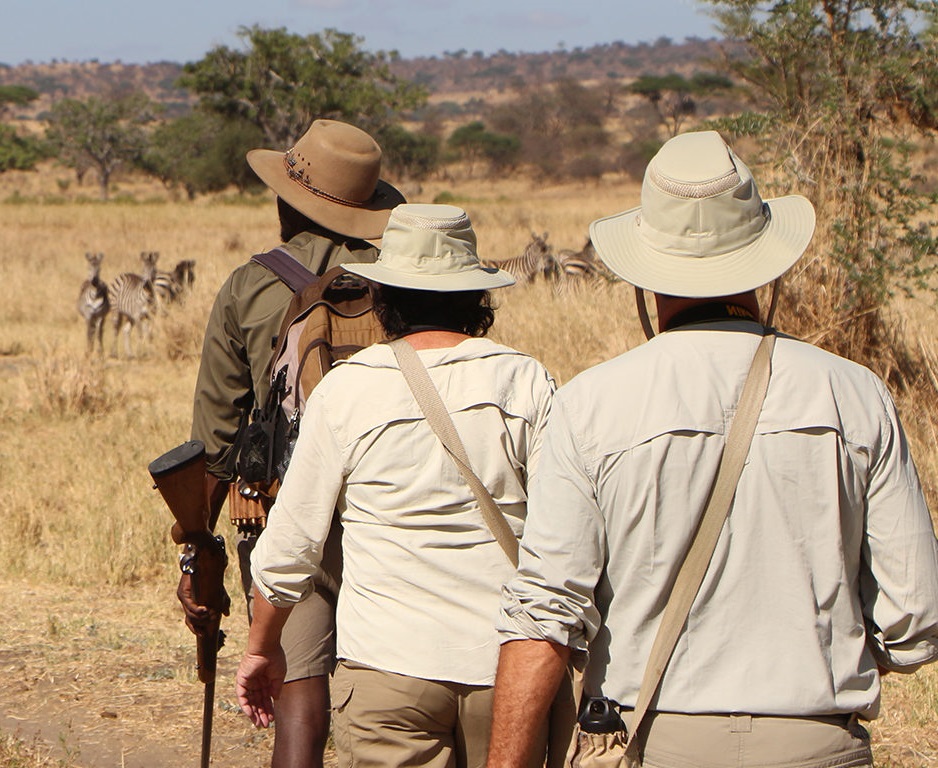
<point>431,247</point>
<point>702,229</point>
<point>332,176</point>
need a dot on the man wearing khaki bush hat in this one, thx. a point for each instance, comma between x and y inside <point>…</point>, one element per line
<point>728,522</point>
<point>331,204</point>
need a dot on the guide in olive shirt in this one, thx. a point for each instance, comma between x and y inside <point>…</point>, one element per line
<point>239,337</point>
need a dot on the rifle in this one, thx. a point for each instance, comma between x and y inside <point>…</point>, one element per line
<point>179,475</point>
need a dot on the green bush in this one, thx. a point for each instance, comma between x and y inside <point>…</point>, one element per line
<point>17,153</point>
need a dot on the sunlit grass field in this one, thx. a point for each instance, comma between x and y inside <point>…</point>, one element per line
<point>77,431</point>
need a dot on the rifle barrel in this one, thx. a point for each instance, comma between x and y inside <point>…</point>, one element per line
<point>208,706</point>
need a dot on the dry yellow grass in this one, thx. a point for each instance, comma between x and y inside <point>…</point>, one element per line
<point>78,506</point>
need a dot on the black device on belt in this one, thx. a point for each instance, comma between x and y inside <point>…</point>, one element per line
<point>600,715</point>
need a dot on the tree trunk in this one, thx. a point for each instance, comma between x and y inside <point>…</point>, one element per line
<point>105,180</point>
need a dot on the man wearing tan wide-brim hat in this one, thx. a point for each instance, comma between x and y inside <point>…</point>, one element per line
<point>331,203</point>
<point>725,518</point>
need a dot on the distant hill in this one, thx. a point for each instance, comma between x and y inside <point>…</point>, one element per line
<point>455,75</point>
<point>460,71</point>
<point>78,80</point>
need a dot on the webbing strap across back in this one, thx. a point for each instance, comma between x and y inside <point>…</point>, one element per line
<point>433,408</point>
<point>293,274</point>
<point>691,574</point>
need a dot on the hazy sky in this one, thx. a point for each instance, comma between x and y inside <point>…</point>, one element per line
<point>140,31</point>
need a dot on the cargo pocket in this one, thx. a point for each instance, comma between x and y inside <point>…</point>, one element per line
<point>340,693</point>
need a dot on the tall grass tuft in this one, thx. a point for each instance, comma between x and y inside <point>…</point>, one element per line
<point>65,384</point>
<point>178,335</point>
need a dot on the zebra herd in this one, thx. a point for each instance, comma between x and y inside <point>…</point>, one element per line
<point>133,299</point>
<point>565,268</point>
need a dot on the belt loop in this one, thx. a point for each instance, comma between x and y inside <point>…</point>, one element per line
<point>740,723</point>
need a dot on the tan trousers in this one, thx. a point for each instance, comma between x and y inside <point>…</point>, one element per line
<point>308,637</point>
<point>744,741</point>
<point>383,720</point>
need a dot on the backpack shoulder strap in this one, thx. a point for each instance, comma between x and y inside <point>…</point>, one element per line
<point>293,274</point>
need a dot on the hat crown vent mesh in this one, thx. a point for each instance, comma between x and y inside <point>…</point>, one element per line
<point>432,223</point>
<point>694,190</point>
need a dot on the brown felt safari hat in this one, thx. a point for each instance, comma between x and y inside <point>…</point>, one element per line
<point>332,176</point>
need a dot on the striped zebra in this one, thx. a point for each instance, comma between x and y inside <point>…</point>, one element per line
<point>173,286</point>
<point>93,302</point>
<point>537,259</point>
<point>577,264</point>
<point>133,298</point>
<point>578,268</point>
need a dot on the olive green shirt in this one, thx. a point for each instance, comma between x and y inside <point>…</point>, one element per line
<point>240,336</point>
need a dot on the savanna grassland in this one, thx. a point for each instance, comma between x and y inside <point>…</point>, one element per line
<point>95,663</point>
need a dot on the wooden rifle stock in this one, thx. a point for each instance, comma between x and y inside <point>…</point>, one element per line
<point>179,475</point>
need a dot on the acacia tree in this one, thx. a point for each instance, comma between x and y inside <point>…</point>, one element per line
<point>842,89</point>
<point>99,133</point>
<point>673,96</point>
<point>17,152</point>
<point>282,81</point>
<point>16,95</point>
<point>201,153</point>
<point>473,142</point>
<point>557,125</point>
<point>407,154</point>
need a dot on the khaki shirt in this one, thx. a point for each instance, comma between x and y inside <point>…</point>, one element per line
<point>422,572</point>
<point>826,566</point>
<point>239,340</point>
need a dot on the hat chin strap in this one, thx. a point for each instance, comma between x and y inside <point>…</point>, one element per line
<point>643,313</point>
<point>650,331</point>
<point>773,304</point>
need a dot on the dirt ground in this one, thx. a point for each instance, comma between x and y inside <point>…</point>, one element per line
<point>106,680</point>
<point>97,678</point>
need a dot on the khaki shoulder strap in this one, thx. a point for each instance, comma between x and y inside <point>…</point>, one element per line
<point>691,574</point>
<point>433,408</point>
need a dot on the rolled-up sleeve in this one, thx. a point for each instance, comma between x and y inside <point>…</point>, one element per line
<point>289,551</point>
<point>563,549</point>
<point>899,576</point>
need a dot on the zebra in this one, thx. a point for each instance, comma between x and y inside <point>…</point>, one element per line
<point>173,286</point>
<point>537,259</point>
<point>576,264</point>
<point>580,267</point>
<point>93,301</point>
<point>134,300</point>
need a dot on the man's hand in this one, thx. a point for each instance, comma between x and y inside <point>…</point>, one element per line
<point>259,681</point>
<point>199,618</point>
<point>264,665</point>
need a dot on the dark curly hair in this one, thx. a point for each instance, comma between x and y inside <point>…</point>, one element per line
<point>403,310</point>
<point>292,222</point>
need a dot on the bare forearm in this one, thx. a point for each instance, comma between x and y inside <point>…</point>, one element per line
<point>266,625</point>
<point>263,666</point>
<point>529,673</point>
